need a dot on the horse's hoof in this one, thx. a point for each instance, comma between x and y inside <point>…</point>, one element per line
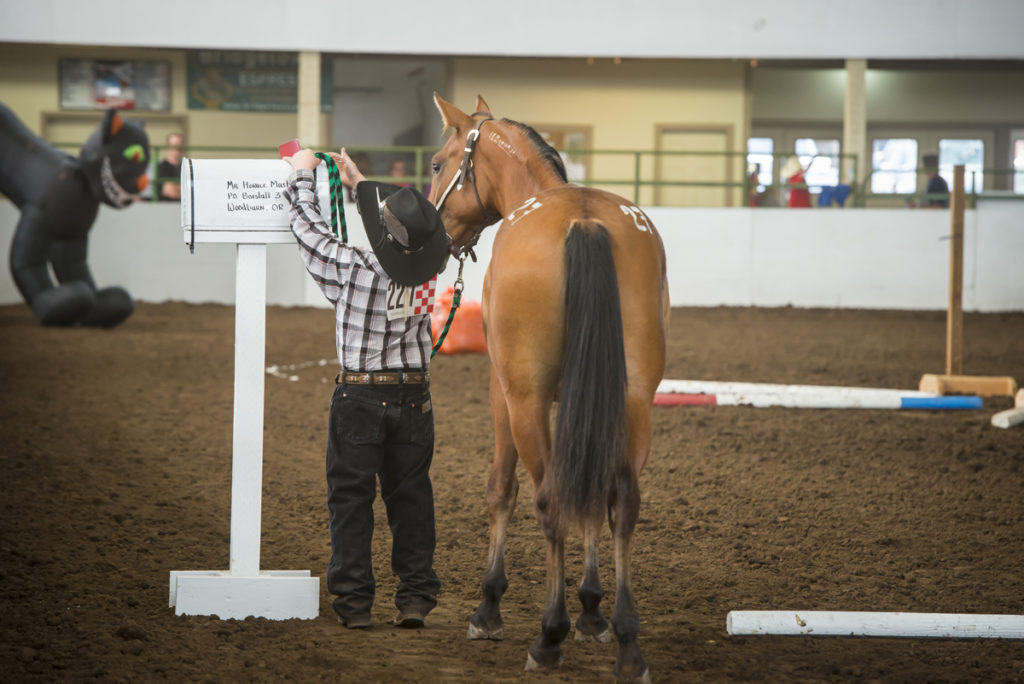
<point>475,632</point>
<point>532,664</point>
<point>604,637</point>
<point>630,665</point>
<point>645,678</point>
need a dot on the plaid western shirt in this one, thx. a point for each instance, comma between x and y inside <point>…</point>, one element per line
<point>353,281</point>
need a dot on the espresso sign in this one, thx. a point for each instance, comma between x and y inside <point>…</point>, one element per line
<point>240,200</point>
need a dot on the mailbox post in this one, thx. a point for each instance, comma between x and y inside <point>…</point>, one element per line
<point>240,201</point>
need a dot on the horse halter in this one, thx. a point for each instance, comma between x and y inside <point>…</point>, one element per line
<point>465,173</point>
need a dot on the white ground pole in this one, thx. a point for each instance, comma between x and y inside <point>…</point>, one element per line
<point>874,624</point>
<point>243,589</point>
<point>668,386</point>
<point>805,396</point>
<point>1011,417</point>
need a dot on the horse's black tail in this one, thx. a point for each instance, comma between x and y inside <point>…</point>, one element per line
<point>590,433</point>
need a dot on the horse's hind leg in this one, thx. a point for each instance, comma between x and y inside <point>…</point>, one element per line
<point>502,488</point>
<point>591,624</point>
<point>629,659</point>
<point>528,419</point>
<point>630,665</point>
<point>546,650</point>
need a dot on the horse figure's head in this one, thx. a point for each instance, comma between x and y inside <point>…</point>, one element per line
<point>486,169</point>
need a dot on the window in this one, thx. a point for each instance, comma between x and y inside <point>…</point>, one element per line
<point>1018,166</point>
<point>970,153</point>
<point>825,153</point>
<point>759,153</point>
<point>573,145</point>
<point>894,165</point>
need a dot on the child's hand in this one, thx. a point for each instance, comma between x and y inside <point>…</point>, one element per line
<point>350,174</point>
<point>303,159</point>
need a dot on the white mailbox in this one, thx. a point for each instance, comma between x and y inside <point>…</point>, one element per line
<point>241,201</point>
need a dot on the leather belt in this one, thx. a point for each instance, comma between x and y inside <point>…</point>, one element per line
<point>382,378</point>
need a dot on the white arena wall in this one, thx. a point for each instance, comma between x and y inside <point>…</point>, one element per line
<point>845,258</point>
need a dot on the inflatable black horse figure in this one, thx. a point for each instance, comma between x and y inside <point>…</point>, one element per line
<point>59,197</point>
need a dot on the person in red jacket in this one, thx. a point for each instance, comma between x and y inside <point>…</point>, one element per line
<point>794,174</point>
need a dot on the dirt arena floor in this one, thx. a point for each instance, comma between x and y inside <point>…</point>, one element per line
<point>116,462</point>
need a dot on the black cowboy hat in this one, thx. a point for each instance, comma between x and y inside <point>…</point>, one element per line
<point>405,231</point>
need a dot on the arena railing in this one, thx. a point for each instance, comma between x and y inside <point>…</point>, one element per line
<point>640,175</point>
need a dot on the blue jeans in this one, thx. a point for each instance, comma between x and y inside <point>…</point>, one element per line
<point>384,432</point>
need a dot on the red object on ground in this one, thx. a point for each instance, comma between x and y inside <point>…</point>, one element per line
<point>673,399</point>
<point>466,336</point>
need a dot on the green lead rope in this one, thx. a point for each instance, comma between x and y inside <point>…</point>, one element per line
<point>337,197</point>
<point>338,217</point>
<point>456,299</point>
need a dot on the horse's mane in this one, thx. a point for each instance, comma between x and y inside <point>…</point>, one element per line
<point>546,151</point>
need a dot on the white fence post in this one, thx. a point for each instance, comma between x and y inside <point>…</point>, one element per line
<point>247,442</point>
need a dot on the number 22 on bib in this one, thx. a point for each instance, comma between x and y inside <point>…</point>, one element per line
<point>406,301</point>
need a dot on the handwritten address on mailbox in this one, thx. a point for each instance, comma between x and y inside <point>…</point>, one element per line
<point>254,196</point>
<point>233,194</point>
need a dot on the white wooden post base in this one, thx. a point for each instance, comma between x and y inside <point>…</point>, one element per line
<point>273,594</point>
<point>243,590</point>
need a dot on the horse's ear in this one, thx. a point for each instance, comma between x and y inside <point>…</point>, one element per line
<point>452,116</point>
<point>481,106</point>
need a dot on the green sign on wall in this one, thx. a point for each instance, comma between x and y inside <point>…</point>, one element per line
<point>244,81</point>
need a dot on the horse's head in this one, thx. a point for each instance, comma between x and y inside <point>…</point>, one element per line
<point>461,187</point>
<point>486,169</point>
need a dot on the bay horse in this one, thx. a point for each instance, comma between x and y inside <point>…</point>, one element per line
<point>575,308</point>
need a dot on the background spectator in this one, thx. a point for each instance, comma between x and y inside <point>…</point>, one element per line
<point>397,169</point>
<point>794,174</point>
<point>936,184</point>
<point>168,171</point>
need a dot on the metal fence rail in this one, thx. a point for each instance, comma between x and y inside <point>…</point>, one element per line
<point>637,174</point>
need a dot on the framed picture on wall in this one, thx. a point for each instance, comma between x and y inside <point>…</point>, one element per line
<point>122,84</point>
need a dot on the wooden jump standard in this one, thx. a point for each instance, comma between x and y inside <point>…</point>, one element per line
<point>953,381</point>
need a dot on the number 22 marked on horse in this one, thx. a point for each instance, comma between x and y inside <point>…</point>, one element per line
<point>529,206</point>
<point>640,220</point>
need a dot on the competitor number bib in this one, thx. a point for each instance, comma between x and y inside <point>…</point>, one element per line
<point>405,301</point>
